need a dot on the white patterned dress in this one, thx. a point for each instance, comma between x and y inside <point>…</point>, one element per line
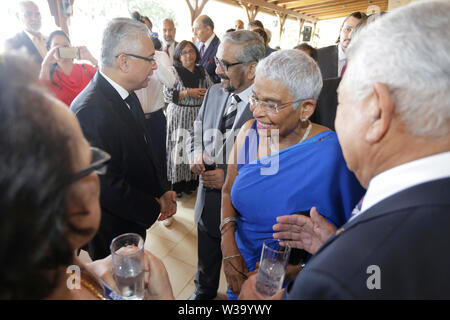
<point>181,114</point>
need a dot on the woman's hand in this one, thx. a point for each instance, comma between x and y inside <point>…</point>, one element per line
<point>236,271</point>
<point>197,93</point>
<point>50,58</point>
<point>156,279</point>
<point>85,54</point>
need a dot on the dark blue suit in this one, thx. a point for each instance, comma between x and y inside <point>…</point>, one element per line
<point>134,179</point>
<point>406,236</point>
<point>22,40</point>
<point>207,61</point>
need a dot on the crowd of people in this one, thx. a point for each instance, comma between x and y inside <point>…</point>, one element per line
<point>341,152</point>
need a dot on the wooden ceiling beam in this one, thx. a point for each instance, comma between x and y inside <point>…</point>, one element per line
<point>329,3</point>
<point>331,10</point>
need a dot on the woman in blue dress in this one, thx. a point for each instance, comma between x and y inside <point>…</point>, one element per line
<point>281,164</point>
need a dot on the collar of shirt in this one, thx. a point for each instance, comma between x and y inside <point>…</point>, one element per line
<point>405,176</point>
<point>121,90</point>
<point>208,42</point>
<point>243,95</point>
<point>39,42</point>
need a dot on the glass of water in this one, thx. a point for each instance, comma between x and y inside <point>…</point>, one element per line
<point>272,267</point>
<point>127,251</point>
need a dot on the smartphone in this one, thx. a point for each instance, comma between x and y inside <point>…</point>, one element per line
<point>69,53</point>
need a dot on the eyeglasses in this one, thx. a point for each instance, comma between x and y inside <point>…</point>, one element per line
<point>151,60</point>
<point>183,53</point>
<point>225,65</point>
<point>98,164</point>
<point>269,107</point>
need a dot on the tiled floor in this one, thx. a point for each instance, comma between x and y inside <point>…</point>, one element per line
<point>176,246</point>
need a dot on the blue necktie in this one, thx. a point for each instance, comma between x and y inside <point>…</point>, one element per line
<point>357,209</point>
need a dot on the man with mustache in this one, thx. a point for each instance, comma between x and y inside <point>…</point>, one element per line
<point>332,59</point>
<point>224,110</point>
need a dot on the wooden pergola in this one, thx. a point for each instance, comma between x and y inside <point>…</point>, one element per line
<point>310,11</point>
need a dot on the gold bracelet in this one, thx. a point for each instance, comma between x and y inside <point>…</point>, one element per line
<point>226,221</point>
<point>231,257</point>
<point>222,232</point>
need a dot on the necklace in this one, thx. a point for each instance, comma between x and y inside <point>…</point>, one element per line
<point>308,130</point>
<point>88,285</point>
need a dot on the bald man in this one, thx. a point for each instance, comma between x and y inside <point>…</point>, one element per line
<point>169,32</point>
<point>30,38</point>
<point>239,25</point>
<point>207,44</point>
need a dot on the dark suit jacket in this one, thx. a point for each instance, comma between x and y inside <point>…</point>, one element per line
<point>327,59</point>
<point>327,103</point>
<point>407,236</point>
<point>22,40</point>
<point>133,178</point>
<point>207,61</point>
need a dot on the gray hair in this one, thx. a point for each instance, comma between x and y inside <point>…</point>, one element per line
<point>253,45</point>
<point>408,51</point>
<point>297,71</point>
<point>122,35</point>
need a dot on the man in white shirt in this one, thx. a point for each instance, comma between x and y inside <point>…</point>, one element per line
<point>34,42</point>
<point>393,124</point>
<point>169,32</point>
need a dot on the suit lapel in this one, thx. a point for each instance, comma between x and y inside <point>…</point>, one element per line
<point>211,48</point>
<point>31,47</point>
<point>122,110</point>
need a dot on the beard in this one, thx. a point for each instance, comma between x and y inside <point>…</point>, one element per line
<point>227,85</point>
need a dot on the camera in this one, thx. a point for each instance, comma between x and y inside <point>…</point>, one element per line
<point>69,53</point>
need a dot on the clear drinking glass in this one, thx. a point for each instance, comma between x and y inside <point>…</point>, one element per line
<point>127,251</point>
<point>272,267</point>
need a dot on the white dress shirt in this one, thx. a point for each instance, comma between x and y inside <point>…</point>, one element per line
<point>121,90</point>
<point>170,47</point>
<point>152,97</point>
<point>406,176</point>
<point>208,42</point>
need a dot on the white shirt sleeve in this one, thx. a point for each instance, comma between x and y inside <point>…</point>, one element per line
<point>164,72</point>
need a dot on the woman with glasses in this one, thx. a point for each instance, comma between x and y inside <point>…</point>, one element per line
<point>185,99</point>
<point>49,198</point>
<point>281,164</point>
<point>64,78</point>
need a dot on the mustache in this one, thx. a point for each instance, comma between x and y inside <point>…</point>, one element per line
<point>222,76</point>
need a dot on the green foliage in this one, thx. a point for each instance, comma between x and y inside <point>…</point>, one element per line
<point>155,10</point>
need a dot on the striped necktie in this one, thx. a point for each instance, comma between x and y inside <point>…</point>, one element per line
<point>357,209</point>
<point>230,113</point>
<point>202,50</point>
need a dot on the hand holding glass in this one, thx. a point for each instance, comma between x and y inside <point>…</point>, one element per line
<point>272,267</point>
<point>127,253</point>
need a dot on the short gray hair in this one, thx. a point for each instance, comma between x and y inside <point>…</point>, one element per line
<point>408,51</point>
<point>297,71</point>
<point>253,45</point>
<point>121,35</point>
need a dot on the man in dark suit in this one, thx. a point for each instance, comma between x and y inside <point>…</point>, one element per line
<point>225,109</point>
<point>135,190</point>
<point>332,59</point>
<point>207,45</point>
<point>30,38</point>
<point>325,112</point>
<point>397,142</point>
<point>169,32</point>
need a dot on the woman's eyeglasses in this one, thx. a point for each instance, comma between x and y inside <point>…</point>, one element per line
<point>269,107</point>
<point>98,164</point>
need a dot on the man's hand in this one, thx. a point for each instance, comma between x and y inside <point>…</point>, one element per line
<point>249,292</point>
<point>168,203</point>
<point>303,232</point>
<point>198,167</point>
<point>213,178</point>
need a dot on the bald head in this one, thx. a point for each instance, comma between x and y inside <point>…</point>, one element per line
<point>29,15</point>
<point>239,25</point>
<point>203,28</point>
